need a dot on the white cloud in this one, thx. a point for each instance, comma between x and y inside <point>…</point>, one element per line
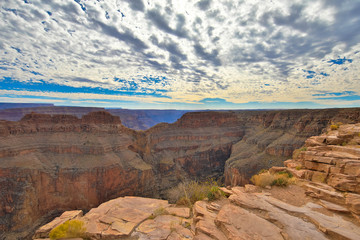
<point>240,51</point>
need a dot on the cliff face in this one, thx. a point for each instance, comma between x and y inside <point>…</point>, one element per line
<point>60,162</point>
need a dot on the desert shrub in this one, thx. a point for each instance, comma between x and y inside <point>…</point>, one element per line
<point>298,167</point>
<point>188,193</point>
<point>263,179</point>
<point>286,173</point>
<point>334,127</point>
<point>69,229</point>
<point>282,178</point>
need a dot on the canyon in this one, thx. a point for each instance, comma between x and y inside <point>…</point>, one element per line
<point>322,201</point>
<point>50,163</point>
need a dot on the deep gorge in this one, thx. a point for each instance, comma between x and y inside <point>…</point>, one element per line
<point>52,163</point>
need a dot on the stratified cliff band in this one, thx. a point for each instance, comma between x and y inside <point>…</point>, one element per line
<point>52,163</point>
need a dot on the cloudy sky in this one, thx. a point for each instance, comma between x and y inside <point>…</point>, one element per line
<point>181,54</point>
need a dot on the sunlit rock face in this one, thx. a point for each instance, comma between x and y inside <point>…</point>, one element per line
<point>52,163</point>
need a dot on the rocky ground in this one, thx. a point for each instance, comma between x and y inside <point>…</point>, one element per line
<point>324,203</point>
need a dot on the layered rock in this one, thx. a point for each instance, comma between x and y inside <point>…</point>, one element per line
<point>55,163</point>
<point>52,163</point>
<point>270,137</point>
<point>331,162</point>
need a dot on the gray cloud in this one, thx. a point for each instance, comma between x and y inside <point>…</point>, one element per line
<point>211,57</point>
<point>204,4</point>
<point>84,80</point>
<point>126,36</point>
<point>161,22</point>
<point>136,5</point>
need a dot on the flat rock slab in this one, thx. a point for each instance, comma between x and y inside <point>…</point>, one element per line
<point>333,207</point>
<point>179,211</point>
<point>238,223</point>
<point>119,217</point>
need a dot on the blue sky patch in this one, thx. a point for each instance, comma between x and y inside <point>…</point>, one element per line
<point>340,61</point>
<point>7,83</point>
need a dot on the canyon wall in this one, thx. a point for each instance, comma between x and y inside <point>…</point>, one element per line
<point>51,163</point>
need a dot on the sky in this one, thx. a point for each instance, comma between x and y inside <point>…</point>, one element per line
<point>181,54</point>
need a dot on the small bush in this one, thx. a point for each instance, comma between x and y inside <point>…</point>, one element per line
<point>188,193</point>
<point>280,181</point>
<point>334,127</point>
<point>282,178</point>
<point>69,229</point>
<point>298,167</point>
<point>263,179</point>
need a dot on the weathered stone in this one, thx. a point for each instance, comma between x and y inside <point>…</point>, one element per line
<point>333,207</point>
<point>319,177</point>
<point>317,166</point>
<point>353,201</point>
<point>344,182</point>
<point>44,231</point>
<point>204,222</point>
<point>335,226</point>
<point>333,140</point>
<point>237,223</point>
<point>179,211</point>
<point>251,188</point>
<point>325,192</point>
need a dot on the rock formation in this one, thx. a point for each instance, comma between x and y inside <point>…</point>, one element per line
<point>331,162</point>
<point>53,163</point>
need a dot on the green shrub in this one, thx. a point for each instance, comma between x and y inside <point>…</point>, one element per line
<point>334,127</point>
<point>298,167</point>
<point>280,181</point>
<point>69,229</point>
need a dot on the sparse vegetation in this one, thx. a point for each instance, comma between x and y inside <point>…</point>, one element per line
<point>297,152</point>
<point>334,127</point>
<point>278,179</point>
<point>299,167</point>
<point>303,149</point>
<point>188,193</point>
<point>69,229</point>
<point>158,212</point>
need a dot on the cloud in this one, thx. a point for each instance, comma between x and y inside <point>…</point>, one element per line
<point>162,23</point>
<point>239,51</point>
<point>208,56</point>
<point>204,4</point>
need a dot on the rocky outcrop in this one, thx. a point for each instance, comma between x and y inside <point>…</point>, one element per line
<point>52,163</point>
<point>270,137</point>
<point>331,164</point>
<point>249,213</point>
<point>129,218</point>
